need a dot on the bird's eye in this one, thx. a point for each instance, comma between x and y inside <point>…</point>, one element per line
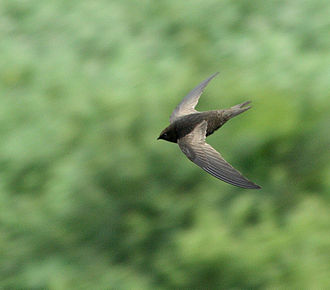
<point>165,134</point>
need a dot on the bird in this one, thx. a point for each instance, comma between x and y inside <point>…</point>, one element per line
<point>189,129</point>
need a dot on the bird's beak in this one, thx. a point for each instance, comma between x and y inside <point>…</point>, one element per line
<point>158,138</point>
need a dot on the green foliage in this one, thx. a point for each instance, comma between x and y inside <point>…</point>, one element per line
<point>90,200</point>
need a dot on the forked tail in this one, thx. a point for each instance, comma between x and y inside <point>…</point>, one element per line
<point>236,110</point>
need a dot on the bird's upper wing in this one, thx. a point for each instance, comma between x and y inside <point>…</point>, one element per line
<point>198,151</point>
<point>188,104</point>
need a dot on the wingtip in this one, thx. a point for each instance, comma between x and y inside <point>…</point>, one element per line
<point>244,104</point>
<point>215,74</point>
<point>251,185</point>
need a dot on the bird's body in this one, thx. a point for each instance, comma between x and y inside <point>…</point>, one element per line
<point>184,125</point>
<point>189,128</point>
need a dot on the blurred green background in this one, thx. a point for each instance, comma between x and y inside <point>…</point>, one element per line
<point>90,200</point>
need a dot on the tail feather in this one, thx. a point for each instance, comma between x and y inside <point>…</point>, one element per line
<point>236,110</point>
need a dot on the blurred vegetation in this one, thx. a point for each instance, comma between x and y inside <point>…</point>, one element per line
<point>90,200</point>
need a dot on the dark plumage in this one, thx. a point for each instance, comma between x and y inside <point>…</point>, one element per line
<point>189,128</point>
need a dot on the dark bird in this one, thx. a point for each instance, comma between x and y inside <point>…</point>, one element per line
<point>189,128</point>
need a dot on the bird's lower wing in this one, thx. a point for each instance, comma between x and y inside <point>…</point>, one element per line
<point>204,155</point>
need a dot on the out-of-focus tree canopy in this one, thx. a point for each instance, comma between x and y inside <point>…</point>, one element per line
<point>90,200</point>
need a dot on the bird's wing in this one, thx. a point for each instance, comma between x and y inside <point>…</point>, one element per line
<point>198,151</point>
<point>188,104</point>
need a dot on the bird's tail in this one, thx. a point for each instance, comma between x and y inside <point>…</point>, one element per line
<point>236,110</point>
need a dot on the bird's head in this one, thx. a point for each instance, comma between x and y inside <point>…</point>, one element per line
<point>168,134</point>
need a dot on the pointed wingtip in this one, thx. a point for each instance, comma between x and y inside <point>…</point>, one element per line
<point>215,74</point>
<point>244,104</point>
<point>211,77</point>
<point>251,185</point>
<point>203,84</point>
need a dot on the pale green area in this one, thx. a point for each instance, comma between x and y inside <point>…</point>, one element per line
<point>90,200</point>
